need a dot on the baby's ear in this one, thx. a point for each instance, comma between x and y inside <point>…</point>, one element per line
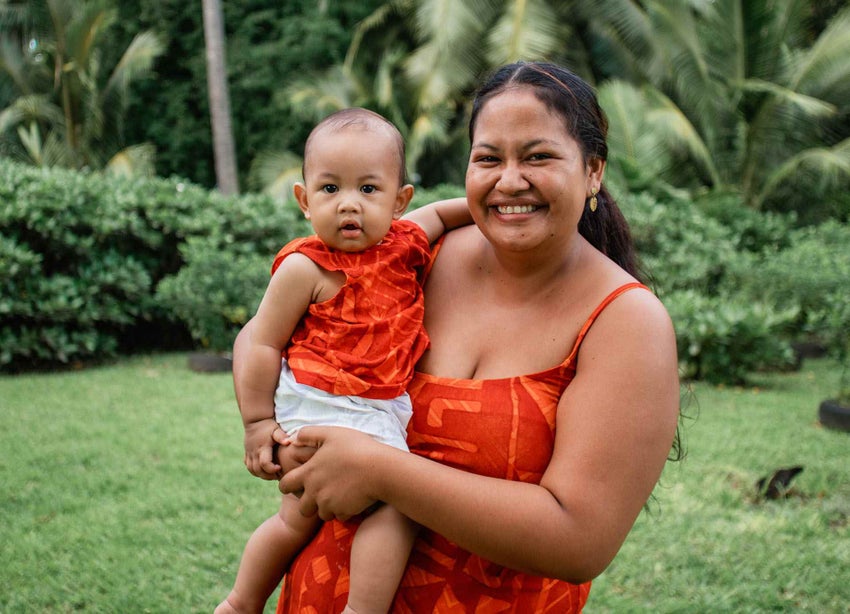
<point>405,194</point>
<point>300,192</point>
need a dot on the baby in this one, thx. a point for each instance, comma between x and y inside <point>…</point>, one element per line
<point>336,338</point>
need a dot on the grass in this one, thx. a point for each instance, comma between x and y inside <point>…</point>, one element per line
<point>123,490</point>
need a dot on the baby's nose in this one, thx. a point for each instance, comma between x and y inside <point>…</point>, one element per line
<point>349,204</point>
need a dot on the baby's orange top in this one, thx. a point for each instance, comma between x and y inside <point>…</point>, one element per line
<point>364,341</point>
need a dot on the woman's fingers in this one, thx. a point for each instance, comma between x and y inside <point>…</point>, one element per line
<point>310,436</point>
<point>292,482</point>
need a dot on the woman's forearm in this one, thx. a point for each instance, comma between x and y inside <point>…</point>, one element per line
<point>519,525</point>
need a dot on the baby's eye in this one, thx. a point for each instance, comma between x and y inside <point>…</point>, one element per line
<point>329,188</point>
<point>368,189</point>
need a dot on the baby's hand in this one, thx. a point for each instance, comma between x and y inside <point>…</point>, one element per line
<point>260,440</point>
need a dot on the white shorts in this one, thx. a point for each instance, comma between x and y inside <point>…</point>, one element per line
<point>298,405</point>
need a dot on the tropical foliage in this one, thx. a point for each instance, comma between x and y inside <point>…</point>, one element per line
<point>728,94</point>
<point>269,44</point>
<point>65,96</point>
<point>417,61</point>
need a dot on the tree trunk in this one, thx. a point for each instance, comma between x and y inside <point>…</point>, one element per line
<point>223,147</point>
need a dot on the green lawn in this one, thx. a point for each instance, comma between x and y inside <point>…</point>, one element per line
<point>123,490</point>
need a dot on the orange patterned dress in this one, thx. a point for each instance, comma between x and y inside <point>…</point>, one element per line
<point>502,428</point>
<point>366,340</point>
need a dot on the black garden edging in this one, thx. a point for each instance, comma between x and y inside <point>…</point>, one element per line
<point>207,362</point>
<point>834,415</point>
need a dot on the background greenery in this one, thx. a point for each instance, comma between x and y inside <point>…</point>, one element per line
<point>124,490</point>
<point>730,156</point>
<point>729,135</point>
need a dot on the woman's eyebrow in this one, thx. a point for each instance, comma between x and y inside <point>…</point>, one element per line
<point>524,147</point>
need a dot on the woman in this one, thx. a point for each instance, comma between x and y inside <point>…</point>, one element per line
<point>547,405</point>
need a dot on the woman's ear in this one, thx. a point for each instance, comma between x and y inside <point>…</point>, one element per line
<point>405,194</point>
<point>300,192</point>
<point>595,170</point>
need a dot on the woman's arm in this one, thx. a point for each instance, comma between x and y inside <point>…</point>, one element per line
<point>439,217</point>
<point>615,427</point>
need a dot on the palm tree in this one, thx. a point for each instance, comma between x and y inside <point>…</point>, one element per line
<point>417,61</point>
<point>66,109</point>
<point>726,94</point>
<point>223,146</point>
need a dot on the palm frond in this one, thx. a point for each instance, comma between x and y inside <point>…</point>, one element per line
<point>31,108</point>
<point>448,60</point>
<point>375,20</point>
<point>830,164</point>
<point>638,155</point>
<point>14,64</point>
<point>824,69</point>
<point>528,30</point>
<point>807,104</point>
<point>31,142</point>
<point>136,62</point>
<point>316,96</point>
<point>274,173</point>
<point>672,124</point>
<point>429,128</point>
<point>133,161</point>
<point>87,23</point>
<point>630,25</point>
<point>622,103</point>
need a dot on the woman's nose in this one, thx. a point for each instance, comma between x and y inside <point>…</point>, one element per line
<point>512,180</point>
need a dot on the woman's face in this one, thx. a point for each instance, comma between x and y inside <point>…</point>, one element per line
<point>526,182</point>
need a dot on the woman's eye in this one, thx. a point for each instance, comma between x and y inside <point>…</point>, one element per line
<point>539,156</point>
<point>329,188</point>
<point>368,189</point>
<point>487,159</point>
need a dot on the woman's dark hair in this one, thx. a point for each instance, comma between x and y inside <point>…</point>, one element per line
<point>575,101</point>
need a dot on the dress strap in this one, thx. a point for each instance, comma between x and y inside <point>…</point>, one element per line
<point>605,302</point>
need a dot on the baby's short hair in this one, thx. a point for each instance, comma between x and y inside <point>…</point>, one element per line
<point>369,120</point>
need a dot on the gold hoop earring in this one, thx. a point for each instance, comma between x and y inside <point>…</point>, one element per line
<point>593,200</point>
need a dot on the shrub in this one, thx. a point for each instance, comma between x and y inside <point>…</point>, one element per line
<point>679,246</point>
<point>423,196</point>
<point>691,257</point>
<point>813,272</point>
<point>81,256</point>
<point>216,292</point>
<point>751,230</point>
<point>722,339</point>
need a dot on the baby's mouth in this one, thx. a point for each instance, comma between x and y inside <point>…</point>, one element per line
<point>350,229</point>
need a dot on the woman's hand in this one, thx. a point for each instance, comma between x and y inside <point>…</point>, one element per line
<point>337,480</point>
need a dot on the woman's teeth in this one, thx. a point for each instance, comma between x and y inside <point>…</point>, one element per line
<point>508,209</point>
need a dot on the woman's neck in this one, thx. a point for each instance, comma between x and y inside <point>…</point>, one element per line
<point>525,273</point>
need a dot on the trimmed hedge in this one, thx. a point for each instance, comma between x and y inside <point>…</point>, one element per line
<point>691,255</point>
<point>81,256</point>
<point>92,265</point>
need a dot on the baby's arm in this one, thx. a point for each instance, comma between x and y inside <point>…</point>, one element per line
<point>291,290</point>
<point>441,216</point>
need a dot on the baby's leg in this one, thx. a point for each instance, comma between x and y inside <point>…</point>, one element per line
<point>379,556</point>
<point>267,556</point>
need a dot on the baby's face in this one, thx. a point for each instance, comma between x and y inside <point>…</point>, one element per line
<point>351,191</point>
